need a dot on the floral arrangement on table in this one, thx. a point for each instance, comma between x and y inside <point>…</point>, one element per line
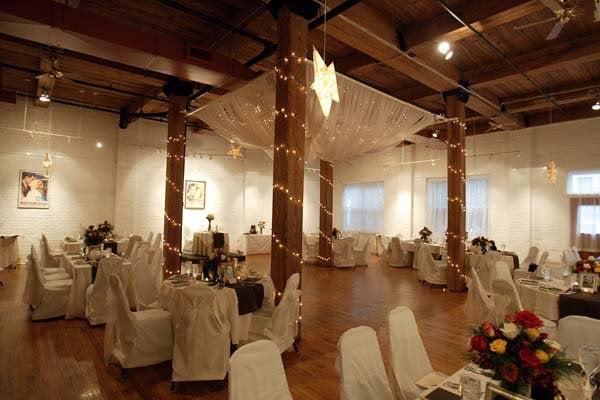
<point>520,355</point>
<point>210,218</point>
<point>92,236</point>
<point>106,230</point>
<point>587,266</point>
<point>425,233</point>
<point>261,226</point>
<point>482,243</point>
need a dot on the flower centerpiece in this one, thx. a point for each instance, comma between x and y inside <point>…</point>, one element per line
<point>106,230</point>
<point>425,233</point>
<point>210,218</point>
<point>520,355</point>
<point>261,226</point>
<point>92,236</point>
<point>481,243</point>
<point>588,266</point>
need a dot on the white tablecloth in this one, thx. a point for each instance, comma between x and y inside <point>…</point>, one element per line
<point>81,273</point>
<point>540,301</point>
<point>203,243</point>
<point>256,244</point>
<point>71,247</point>
<point>9,250</point>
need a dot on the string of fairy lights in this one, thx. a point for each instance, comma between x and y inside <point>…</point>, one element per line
<point>172,186</point>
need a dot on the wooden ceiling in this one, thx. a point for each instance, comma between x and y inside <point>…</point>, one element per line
<point>388,44</point>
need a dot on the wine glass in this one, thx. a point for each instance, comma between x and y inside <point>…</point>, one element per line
<point>589,358</point>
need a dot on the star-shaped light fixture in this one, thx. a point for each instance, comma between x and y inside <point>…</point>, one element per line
<point>325,83</point>
<point>235,152</point>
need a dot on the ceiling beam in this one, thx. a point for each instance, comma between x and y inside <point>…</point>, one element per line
<point>373,33</point>
<point>482,15</point>
<point>550,58</point>
<point>354,62</point>
<point>90,33</point>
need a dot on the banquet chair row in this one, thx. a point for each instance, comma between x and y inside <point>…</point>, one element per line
<point>395,256</point>
<point>361,368</point>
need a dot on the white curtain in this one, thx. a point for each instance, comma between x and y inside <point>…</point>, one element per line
<point>585,223</point>
<point>478,193</point>
<point>478,198</point>
<point>363,207</point>
<point>366,120</point>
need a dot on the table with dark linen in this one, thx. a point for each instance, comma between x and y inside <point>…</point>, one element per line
<point>250,296</point>
<point>585,304</point>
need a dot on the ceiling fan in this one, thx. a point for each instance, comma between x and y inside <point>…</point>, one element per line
<point>563,13</point>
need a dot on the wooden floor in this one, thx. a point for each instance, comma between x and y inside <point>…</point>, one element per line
<point>61,359</point>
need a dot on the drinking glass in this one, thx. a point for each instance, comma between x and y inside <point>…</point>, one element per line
<point>546,274</point>
<point>470,387</point>
<point>589,358</point>
<point>503,247</point>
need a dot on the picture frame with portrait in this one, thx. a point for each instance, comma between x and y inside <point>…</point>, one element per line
<point>195,195</point>
<point>34,190</point>
<point>588,283</point>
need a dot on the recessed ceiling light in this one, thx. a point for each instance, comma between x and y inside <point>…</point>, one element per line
<point>99,145</point>
<point>444,47</point>
<point>596,106</point>
<point>28,153</point>
<point>449,55</point>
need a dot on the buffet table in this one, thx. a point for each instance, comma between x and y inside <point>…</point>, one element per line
<point>9,250</point>
<point>204,243</point>
<point>256,244</point>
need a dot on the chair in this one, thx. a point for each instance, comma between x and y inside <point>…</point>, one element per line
<point>135,339</point>
<point>49,259</point>
<point>50,273</point>
<point>531,257</point>
<point>48,299</point>
<point>309,251</point>
<point>279,324</point>
<point>203,321</point>
<point>256,373</point>
<point>395,256</point>
<point>188,240</point>
<point>143,280</point>
<point>156,248</point>
<point>543,259</point>
<point>343,255</point>
<point>97,293</point>
<point>360,250</point>
<point>434,272</point>
<point>361,369</point>
<point>132,241</point>
<point>410,362</point>
<point>501,271</point>
<point>149,239</point>
<point>576,330</point>
<point>480,305</point>
<point>415,264</point>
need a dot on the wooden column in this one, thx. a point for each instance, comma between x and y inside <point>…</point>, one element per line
<point>455,128</point>
<point>325,213</point>
<point>288,162</point>
<point>178,91</point>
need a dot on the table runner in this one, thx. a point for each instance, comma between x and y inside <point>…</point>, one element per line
<point>250,296</point>
<point>585,304</point>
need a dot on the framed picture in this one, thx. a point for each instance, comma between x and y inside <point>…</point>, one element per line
<point>195,195</point>
<point>494,392</point>
<point>34,190</point>
<point>588,283</point>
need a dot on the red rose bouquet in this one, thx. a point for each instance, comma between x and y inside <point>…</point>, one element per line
<point>520,355</point>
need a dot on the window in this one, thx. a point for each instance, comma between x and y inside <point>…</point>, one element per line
<point>583,183</point>
<point>588,219</point>
<point>478,197</point>
<point>363,207</point>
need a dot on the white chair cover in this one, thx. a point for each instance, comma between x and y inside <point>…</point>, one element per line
<point>156,248</point>
<point>188,240</point>
<point>575,331</point>
<point>96,294</point>
<point>434,272</point>
<point>543,259</point>
<point>48,298</point>
<point>135,339</point>
<point>503,290</point>
<point>150,235</point>
<point>132,241</point>
<point>156,268</point>
<point>343,254</point>
<point>409,358</point>
<point>132,258</point>
<point>361,369</point>
<point>416,260</point>
<point>531,258</point>
<point>501,271</point>
<point>49,260</point>
<point>479,306</point>
<point>256,373</point>
<point>143,280</point>
<point>395,256</point>
<point>310,249</point>
<point>360,250</point>
<point>202,320</point>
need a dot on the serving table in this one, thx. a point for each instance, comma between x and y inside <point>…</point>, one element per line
<point>9,250</point>
<point>204,243</point>
<point>256,244</point>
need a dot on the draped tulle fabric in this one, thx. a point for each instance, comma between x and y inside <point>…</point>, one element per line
<point>366,120</point>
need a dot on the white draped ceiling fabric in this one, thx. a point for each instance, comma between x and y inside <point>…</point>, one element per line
<point>365,121</point>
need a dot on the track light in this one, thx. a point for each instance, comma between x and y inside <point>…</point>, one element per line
<point>444,47</point>
<point>596,106</point>
<point>449,55</point>
<point>99,145</point>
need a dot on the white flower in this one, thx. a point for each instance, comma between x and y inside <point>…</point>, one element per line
<point>591,258</point>
<point>553,344</point>
<point>510,330</point>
